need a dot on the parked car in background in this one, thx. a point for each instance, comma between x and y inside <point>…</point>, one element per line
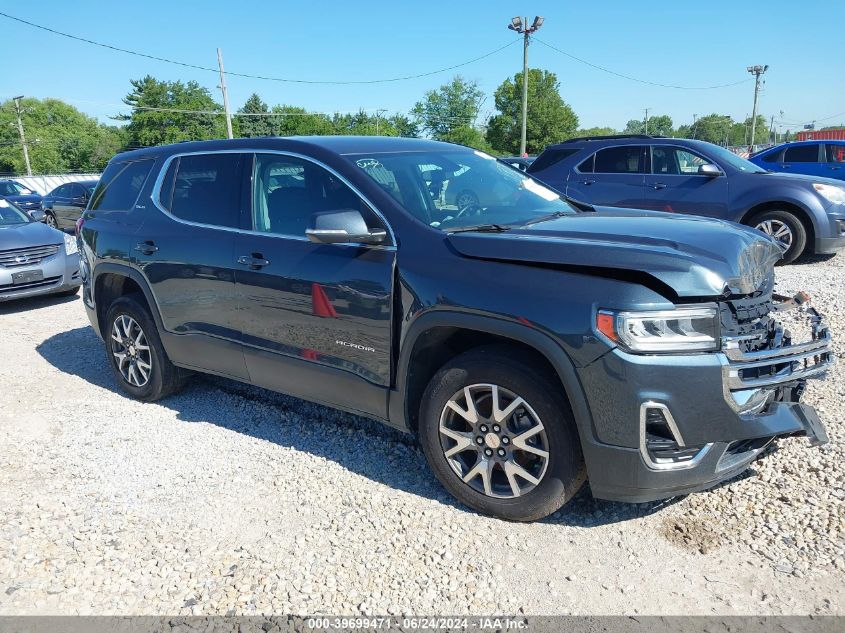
<point>804,213</point>
<point>527,344</point>
<point>814,158</point>
<point>520,162</point>
<point>64,205</point>
<point>35,259</point>
<point>24,197</point>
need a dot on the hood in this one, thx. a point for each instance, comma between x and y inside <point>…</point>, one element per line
<point>30,234</point>
<point>693,256</point>
<point>773,176</point>
<point>24,199</point>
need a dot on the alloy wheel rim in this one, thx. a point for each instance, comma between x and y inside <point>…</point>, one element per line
<point>778,230</point>
<point>51,221</point>
<point>494,441</point>
<point>131,350</point>
<point>465,200</point>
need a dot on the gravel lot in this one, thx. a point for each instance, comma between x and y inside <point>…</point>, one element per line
<point>230,499</point>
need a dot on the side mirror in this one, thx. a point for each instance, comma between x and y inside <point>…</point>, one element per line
<point>343,226</point>
<point>711,171</point>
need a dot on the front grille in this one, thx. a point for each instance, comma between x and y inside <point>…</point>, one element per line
<point>762,352</point>
<point>9,288</point>
<point>18,257</point>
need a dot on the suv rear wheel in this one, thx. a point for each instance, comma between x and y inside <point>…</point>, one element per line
<point>786,228</point>
<point>135,352</point>
<point>500,437</point>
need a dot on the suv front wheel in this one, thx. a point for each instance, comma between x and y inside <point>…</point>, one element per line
<point>500,437</point>
<point>786,228</point>
<point>136,355</point>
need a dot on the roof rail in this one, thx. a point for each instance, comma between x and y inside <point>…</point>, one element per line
<point>610,137</point>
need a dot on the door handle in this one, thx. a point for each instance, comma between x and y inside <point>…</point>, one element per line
<point>147,248</point>
<point>659,185</point>
<point>836,168</point>
<point>588,182</point>
<point>254,261</point>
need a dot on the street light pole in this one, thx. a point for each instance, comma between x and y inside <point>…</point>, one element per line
<point>523,29</point>
<point>757,71</point>
<point>17,101</point>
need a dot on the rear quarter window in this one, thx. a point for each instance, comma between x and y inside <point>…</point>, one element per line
<point>550,158</point>
<point>120,185</point>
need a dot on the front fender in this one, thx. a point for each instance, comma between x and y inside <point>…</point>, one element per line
<point>793,196</point>
<point>398,400</point>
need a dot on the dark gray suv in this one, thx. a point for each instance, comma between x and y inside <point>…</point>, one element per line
<point>804,213</point>
<point>528,343</point>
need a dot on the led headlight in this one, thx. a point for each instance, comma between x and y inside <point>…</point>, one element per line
<point>70,245</point>
<point>684,329</point>
<point>830,192</point>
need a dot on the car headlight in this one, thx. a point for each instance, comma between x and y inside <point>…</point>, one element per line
<point>830,192</point>
<point>684,329</point>
<point>70,245</point>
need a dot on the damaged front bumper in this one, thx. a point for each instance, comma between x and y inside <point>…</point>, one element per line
<point>701,419</point>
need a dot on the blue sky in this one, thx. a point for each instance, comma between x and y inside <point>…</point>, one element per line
<point>687,43</point>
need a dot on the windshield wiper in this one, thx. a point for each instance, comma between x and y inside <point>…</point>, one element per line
<point>546,218</point>
<point>481,228</point>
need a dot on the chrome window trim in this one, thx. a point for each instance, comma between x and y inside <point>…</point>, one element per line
<point>156,191</point>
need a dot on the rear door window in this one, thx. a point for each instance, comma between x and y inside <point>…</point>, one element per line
<point>802,154</point>
<point>120,185</point>
<point>204,188</point>
<point>836,153</point>
<point>772,157</point>
<point>627,159</point>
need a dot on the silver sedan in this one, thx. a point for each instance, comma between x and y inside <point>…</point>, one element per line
<point>34,258</point>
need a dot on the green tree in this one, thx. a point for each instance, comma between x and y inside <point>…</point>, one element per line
<point>549,120</point>
<point>594,131</point>
<point>404,126</point>
<point>469,136</point>
<point>660,125</point>
<point>713,128</point>
<point>59,137</point>
<point>451,106</point>
<point>171,111</point>
<point>255,123</point>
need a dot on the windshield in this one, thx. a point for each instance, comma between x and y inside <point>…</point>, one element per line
<point>737,162</point>
<point>452,190</point>
<point>11,188</point>
<point>10,214</point>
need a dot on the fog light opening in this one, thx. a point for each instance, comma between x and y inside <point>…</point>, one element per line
<point>661,444</point>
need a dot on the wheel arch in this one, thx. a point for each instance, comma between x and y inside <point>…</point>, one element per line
<point>111,281</point>
<point>434,338</point>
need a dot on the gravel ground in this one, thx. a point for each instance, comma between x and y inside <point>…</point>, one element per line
<point>230,499</point>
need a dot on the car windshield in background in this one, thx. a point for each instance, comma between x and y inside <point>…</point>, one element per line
<point>14,189</point>
<point>737,162</point>
<point>455,190</point>
<point>10,214</point>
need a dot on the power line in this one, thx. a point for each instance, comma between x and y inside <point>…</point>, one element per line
<point>247,75</point>
<point>642,81</point>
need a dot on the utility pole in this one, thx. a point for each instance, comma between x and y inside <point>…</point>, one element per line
<point>772,129</point>
<point>694,123</point>
<point>17,101</point>
<point>757,71</point>
<point>646,120</point>
<point>225,95</point>
<point>523,29</point>
<point>378,119</point>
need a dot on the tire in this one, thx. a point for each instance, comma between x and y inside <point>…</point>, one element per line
<point>50,220</point>
<point>776,221</point>
<point>162,378</point>
<point>555,481</point>
<point>466,199</point>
